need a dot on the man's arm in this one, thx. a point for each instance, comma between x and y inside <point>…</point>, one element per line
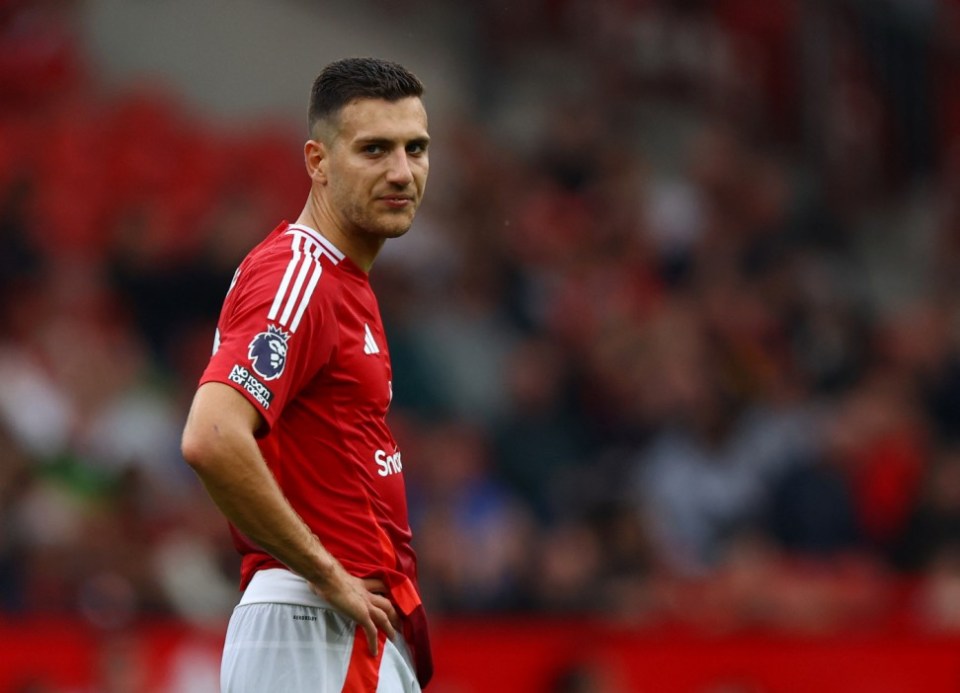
<point>219,444</point>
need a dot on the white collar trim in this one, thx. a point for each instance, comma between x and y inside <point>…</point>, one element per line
<point>316,235</point>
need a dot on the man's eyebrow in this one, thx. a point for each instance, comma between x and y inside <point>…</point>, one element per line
<point>375,139</point>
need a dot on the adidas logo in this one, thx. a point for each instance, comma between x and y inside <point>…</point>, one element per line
<point>369,345</point>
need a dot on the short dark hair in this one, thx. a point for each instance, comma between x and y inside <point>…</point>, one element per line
<point>344,80</point>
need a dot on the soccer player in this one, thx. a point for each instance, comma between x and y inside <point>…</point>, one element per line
<point>288,431</point>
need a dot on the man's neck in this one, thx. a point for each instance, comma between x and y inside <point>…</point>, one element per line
<point>317,217</point>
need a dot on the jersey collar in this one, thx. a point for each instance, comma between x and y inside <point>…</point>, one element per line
<point>319,238</point>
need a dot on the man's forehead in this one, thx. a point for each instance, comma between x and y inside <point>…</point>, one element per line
<point>363,118</point>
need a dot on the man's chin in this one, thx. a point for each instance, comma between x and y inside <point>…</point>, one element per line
<point>394,230</point>
<point>386,226</point>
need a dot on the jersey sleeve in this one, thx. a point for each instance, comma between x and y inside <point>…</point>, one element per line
<point>275,331</point>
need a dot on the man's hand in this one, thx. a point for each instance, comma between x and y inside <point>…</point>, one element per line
<point>351,597</point>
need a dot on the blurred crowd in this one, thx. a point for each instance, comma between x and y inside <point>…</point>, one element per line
<point>675,335</point>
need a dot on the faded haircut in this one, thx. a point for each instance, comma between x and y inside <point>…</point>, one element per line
<point>343,81</point>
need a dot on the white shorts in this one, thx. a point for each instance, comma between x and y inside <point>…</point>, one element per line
<point>284,638</point>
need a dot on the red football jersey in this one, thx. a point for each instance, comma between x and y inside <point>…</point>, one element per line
<point>300,336</point>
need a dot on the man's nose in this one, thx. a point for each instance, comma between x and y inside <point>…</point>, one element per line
<point>399,171</point>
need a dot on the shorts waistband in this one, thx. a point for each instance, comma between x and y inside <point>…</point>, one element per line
<point>279,586</point>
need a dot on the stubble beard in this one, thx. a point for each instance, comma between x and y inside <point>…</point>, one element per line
<point>383,225</point>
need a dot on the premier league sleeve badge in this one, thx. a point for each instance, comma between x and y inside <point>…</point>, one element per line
<point>268,352</point>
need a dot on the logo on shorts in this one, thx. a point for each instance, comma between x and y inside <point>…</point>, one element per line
<point>268,352</point>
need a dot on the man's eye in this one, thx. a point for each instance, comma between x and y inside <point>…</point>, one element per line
<point>416,148</point>
<point>372,149</point>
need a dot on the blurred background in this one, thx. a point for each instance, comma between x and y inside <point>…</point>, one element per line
<point>675,335</point>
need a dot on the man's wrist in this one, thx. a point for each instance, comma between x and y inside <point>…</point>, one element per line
<point>327,570</point>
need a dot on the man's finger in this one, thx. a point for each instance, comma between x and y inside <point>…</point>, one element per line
<point>383,620</point>
<point>371,631</point>
<point>387,606</point>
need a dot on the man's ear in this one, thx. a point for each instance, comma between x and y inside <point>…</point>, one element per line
<point>315,158</point>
